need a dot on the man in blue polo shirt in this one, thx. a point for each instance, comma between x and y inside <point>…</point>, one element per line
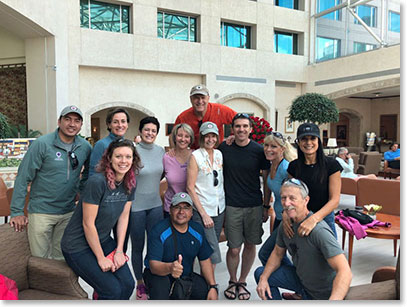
<point>392,157</point>
<point>165,262</point>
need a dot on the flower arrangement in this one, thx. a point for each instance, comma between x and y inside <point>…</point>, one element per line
<point>372,209</point>
<point>260,129</point>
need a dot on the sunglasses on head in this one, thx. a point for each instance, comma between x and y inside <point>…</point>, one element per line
<point>73,159</point>
<point>297,182</point>
<point>241,115</point>
<point>276,134</point>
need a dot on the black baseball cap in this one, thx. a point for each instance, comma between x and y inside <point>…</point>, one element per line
<point>308,129</point>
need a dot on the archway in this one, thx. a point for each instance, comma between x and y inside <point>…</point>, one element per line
<point>96,126</point>
<point>242,102</point>
<point>349,125</point>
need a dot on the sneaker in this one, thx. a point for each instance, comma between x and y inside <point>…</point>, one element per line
<point>141,293</point>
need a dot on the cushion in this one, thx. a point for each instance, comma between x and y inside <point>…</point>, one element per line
<point>385,290</point>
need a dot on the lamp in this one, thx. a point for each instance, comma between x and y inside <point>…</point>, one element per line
<point>332,144</point>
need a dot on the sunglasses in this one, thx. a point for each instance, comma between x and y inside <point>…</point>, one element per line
<point>73,159</point>
<point>241,115</point>
<point>297,182</point>
<point>215,181</point>
<point>277,135</point>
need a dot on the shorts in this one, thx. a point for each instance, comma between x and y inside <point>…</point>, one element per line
<point>212,234</point>
<point>243,225</point>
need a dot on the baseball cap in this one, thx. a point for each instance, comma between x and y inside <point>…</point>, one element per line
<point>208,127</point>
<point>199,89</point>
<point>71,109</point>
<point>181,197</point>
<point>307,129</point>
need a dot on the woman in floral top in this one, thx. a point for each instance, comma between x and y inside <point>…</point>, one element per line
<point>205,186</point>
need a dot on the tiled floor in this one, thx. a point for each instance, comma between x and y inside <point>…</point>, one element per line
<point>368,254</point>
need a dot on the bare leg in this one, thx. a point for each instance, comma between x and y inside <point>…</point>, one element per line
<point>232,263</point>
<point>248,256</point>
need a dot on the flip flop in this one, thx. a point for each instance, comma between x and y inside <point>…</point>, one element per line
<point>242,285</point>
<point>231,295</point>
<point>291,296</point>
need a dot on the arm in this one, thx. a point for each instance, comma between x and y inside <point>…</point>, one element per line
<point>165,268</point>
<point>330,206</point>
<point>31,164</point>
<point>95,157</point>
<point>287,224</point>
<point>273,263</point>
<point>208,274</point>
<point>89,216</point>
<point>266,194</point>
<point>343,277</point>
<point>347,167</point>
<point>122,224</point>
<point>192,174</point>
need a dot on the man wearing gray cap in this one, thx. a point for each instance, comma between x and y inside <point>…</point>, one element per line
<point>172,247</point>
<point>203,111</point>
<point>52,165</point>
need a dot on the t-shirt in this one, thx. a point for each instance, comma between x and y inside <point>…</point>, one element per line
<point>111,204</point>
<point>176,175</point>
<point>318,191</point>
<point>275,186</point>
<point>191,244</point>
<point>241,172</point>
<point>391,155</point>
<point>99,150</point>
<point>216,113</point>
<point>309,255</point>
<point>148,180</point>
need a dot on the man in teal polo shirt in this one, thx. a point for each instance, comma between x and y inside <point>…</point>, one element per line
<point>52,165</point>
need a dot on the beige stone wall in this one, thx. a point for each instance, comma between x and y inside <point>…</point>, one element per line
<point>12,49</point>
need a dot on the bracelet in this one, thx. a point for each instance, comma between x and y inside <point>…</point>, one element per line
<point>119,252</point>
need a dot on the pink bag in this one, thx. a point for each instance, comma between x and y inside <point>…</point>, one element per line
<point>8,288</point>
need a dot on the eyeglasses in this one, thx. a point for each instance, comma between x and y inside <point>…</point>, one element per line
<point>297,182</point>
<point>179,208</point>
<point>73,159</point>
<point>215,181</point>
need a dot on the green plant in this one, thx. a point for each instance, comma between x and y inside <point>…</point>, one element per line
<point>315,108</point>
<point>7,162</point>
<point>21,131</point>
<point>4,126</point>
<point>260,129</point>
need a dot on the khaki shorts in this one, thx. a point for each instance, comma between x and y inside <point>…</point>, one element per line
<point>243,225</point>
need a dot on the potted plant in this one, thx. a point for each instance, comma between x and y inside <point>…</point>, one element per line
<point>315,108</point>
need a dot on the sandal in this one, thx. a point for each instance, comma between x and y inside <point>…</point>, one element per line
<point>243,285</point>
<point>231,295</point>
<point>291,296</point>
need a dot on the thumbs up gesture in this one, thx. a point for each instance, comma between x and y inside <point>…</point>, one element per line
<point>177,268</point>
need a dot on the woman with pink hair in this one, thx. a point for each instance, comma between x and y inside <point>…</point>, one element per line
<point>86,244</point>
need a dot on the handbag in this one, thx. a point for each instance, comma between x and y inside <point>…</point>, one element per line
<point>181,288</point>
<point>360,216</point>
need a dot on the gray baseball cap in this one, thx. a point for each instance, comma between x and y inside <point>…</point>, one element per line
<point>71,109</point>
<point>181,197</point>
<point>199,89</point>
<point>208,127</point>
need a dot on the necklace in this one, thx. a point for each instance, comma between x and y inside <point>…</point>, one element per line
<point>118,182</point>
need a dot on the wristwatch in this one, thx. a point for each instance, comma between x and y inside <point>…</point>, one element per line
<point>266,206</point>
<point>215,286</point>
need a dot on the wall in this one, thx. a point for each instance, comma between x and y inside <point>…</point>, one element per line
<point>385,106</point>
<point>12,49</point>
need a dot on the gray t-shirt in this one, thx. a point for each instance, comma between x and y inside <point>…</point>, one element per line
<point>148,181</point>
<point>111,204</point>
<point>310,254</point>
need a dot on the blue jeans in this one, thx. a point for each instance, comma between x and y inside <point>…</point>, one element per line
<point>109,286</point>
<point>330,220</point>
<point>142,221</point>
<point>284,277</point>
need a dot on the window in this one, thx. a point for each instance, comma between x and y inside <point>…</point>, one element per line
<point>328,48</point>
<point>105,16</point>
<point>327,4</point>
<point>362,47</point>
<point>233,35</point>
<point>291,4</point>
<point>394,22</point>
<point>178,27</point>
<point>367,14</point>
<point>285,43</point>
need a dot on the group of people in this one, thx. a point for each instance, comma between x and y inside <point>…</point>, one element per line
<point>79,195</point>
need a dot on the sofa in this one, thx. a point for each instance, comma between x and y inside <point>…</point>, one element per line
<point>355,150</point>
<point>36,278</point>
<point>385,285</point>
<point>369,162</point>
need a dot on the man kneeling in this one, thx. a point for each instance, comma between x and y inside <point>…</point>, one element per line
<point>172,247</point>
<point>320,269</point>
